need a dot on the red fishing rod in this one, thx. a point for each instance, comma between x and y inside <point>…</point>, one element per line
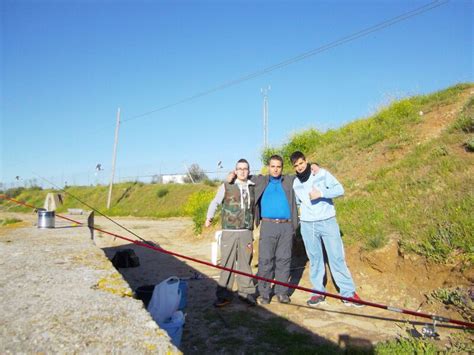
<point>146,244</point>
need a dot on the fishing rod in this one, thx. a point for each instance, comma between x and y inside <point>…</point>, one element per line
<point>430,331</point>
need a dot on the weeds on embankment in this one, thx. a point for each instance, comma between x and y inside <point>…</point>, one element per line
<point>9,221</point>
<point>128,199</point>
<point>402,180</point>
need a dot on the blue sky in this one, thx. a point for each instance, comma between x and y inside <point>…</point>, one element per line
<point>66,66</point>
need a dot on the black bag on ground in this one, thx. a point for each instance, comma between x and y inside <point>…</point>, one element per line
<point>125,258</point>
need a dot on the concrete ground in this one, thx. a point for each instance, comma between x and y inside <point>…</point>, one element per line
<point>60,294</point>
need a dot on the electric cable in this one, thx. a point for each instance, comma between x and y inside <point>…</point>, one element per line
<point>348,38</point>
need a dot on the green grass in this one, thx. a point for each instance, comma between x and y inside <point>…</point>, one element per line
<point>128,199</point>
<point>391,125</point>
<point>423,197</point>
<point>7,221</point>
<point>459,298</point>
<point>426,198</point>
<point>404,346</point>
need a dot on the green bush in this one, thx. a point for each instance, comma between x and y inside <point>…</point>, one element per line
<point>304,141</point>
<point>464,124</point>
<point>211,183</point>
<point>7,221</point>
<point>162,192</point>
<point>465,121</point>
<point>197,206</point>
<point>376,241</point>
<point>470,145</point>
<point>457,297</point>
<point>268,152</point>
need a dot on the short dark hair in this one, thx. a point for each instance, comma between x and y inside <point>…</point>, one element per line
<point>275,157</point>
<point>243,161</point>
<point>295,156</point>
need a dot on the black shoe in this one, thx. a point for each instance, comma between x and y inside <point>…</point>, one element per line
<point>249,299</point>
<point>283,299</point>
<point>221,302</point>
<point>264,300</point>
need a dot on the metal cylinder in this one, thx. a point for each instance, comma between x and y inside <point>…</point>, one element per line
<point>45,218</point>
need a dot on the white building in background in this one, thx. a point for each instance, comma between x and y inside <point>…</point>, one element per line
<point>173,179</point>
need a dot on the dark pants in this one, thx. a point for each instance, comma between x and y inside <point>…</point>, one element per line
<point>274,259</point>
<point>236,253</point>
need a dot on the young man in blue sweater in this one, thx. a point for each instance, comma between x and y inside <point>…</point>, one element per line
<point>277,215</point>
<point>314,194</point>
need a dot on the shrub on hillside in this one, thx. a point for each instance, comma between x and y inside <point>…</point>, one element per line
<point>465,121</point>
<point>305,141</point>
<point>7,221</point>
<point>267,153</point>
<point>196,207</point>
<point>162,192</point>
<point>470,145</point>
<point>211,183</point>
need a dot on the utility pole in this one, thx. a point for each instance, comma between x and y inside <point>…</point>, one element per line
<point>265,115</point>
<point>114,158</point>
<point>189,173</point>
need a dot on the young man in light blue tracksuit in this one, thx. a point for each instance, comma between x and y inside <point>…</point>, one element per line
<point>314,194</point>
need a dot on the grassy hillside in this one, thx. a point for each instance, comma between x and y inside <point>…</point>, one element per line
<point>408,172</point>
<point>128,199</point>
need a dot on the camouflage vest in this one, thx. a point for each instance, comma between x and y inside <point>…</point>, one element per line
<point>233,216</point>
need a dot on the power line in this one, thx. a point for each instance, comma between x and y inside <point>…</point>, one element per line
<point>349,38</point>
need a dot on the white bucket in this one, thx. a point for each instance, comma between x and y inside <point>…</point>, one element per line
<point>216,248</point>
<point>214,252</point>
<point>45,218</point>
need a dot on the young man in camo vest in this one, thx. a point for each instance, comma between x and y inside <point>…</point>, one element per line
<point>238,202</point>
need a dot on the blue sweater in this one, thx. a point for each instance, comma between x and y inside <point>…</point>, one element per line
<point>274,203</point>
<point>322,208</point>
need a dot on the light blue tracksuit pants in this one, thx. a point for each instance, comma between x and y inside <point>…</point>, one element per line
<point>326,232</point>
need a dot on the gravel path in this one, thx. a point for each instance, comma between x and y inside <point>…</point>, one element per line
<point>61,294</point>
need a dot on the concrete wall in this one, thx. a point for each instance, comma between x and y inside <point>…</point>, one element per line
<point>61,294</point>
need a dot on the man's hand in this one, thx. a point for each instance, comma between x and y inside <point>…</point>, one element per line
<point>315,194</point>
<point>207,223</point>
<point>231,176</point>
